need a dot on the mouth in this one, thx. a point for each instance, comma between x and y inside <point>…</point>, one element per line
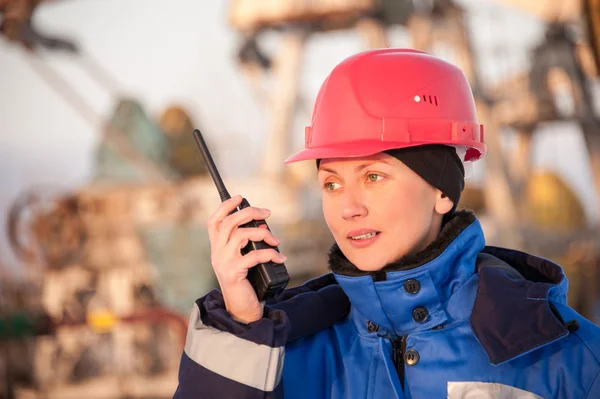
<point>362,238</point>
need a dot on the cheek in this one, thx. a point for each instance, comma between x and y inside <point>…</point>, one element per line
<point>404,206</point>
<point>329,212</point>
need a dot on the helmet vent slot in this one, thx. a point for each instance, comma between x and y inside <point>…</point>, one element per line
<point>430,99</point>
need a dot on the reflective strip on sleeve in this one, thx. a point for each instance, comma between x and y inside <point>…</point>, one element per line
<point>486,390</point>
<point>258,366</point>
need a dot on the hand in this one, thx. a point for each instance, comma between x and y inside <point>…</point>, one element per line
<point>231,268</point>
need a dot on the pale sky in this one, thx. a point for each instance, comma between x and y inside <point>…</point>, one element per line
<point>183,51</point>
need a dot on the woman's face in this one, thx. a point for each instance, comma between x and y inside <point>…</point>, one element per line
<point>378,209</point>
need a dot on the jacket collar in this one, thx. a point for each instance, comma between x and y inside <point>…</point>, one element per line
<point>384,298</point>
<point>514,315</point>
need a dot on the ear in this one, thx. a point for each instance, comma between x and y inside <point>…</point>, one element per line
<point>443,204</point>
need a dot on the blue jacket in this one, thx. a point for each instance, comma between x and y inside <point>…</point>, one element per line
<point>468,321</point>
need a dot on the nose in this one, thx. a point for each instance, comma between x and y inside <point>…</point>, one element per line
<point>353,205</point>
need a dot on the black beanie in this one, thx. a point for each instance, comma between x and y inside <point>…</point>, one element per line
<point>438,165</point>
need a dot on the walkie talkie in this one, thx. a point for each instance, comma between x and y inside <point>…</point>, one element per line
<point>267,279</point>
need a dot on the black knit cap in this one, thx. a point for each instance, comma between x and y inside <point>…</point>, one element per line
<point>438,165</point>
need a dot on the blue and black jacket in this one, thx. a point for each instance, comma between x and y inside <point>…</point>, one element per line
<point>458,320</point>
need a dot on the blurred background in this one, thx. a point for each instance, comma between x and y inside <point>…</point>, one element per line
<point>104,197</point>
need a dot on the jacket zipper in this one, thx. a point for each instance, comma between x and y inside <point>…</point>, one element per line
<point>398,349</point>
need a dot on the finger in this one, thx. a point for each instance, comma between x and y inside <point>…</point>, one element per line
<point>232,222</point>
<point>239,270</point>
<point>214,221</point>
<point>241,237</point>
<point>253,258</point>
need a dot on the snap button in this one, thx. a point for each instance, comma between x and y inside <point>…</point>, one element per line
<point>420,314</point>
<point>372,327</point>
<point>412,357</point>
<point>412,286</point>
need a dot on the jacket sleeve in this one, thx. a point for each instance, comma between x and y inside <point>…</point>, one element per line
<point>223,358</point>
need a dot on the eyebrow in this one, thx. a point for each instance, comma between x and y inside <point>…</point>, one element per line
<point>358,168</point>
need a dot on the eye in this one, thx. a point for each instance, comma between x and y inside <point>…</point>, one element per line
<point>373,177</point>
<point>331,186</point>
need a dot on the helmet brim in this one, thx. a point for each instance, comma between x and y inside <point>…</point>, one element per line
<point>368,147</point>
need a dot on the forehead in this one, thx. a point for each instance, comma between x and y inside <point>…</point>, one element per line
<point>342,162</point>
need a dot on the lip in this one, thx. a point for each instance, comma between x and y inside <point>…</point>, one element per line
<point>362,243</point>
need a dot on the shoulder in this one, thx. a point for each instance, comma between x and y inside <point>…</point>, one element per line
<point>524,297</point>
<point>586,331</point>
<point>585,348</point>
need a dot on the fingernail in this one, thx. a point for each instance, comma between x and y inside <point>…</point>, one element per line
<point>277,240</point>
<point>282,257</point>
<point>265,210</point>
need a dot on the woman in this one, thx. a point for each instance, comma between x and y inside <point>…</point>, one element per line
<point>416,305</point>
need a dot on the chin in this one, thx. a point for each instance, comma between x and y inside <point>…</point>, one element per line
<point>373,259</point>
<point>368,263</point>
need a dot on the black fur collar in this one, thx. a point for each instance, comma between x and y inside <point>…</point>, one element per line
<point>460,221</point>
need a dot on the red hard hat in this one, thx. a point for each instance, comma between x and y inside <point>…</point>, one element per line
<point>392,98</point>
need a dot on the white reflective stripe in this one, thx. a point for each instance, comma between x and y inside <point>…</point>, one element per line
<point>487,390</point>
<point>258,366</point>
